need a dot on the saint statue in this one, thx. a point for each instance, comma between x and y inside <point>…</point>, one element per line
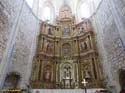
<point>81,30</point>
<point>83,45</point>
<point>66,31</point>
<point>50,31</point>
<point>87,73</point>
<point>47,75</point>
<point>48,47</point>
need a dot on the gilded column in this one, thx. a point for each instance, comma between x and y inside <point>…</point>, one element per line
<point>79,64</point>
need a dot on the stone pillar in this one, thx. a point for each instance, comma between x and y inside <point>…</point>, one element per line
<point>106,64</point>
<point>5,60</point>
<point>33,50</point>
<point>120,27</point>
<point>79,63</point>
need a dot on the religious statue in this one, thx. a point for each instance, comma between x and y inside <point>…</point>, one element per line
<point>66,50</point>
<point>83,45</point>
<point>50,31</point>
<point>66,31</point>
<point>67,72</point>
<point>47,73</point>
<point>81,30</point>
<point>87,73</point>
<point>48,47</point>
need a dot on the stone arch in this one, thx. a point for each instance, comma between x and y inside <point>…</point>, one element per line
<point>12,80</point>
<point>122,77</point>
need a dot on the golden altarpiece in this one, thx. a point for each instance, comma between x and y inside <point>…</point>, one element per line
<point>66,53</point>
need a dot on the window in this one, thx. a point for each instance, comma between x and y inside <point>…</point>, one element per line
<point>46,14</point>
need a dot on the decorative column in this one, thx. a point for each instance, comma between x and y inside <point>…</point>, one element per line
<point>79,64</point>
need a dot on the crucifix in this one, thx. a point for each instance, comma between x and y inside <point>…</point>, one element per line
<point>84,82</point>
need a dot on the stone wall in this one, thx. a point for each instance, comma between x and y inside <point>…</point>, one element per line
<point>18,33</point>
<point>110,41</point>
<point>8,12</point>
<point>120,7</point>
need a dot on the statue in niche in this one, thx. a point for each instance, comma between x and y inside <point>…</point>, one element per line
<point>48,47</point>
<point>67,72</point>
<point>81,30</point>
<point>47,73</point>
<point>66,31</point>
<point>83,46</point>
<point>50,31</point>
<point>88,74</point>
<point>66,50</point>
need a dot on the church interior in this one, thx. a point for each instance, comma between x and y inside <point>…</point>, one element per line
<point>62,46</point>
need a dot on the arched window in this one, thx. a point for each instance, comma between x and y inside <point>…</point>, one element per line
<point>85,9</point>
<point>46,13</point>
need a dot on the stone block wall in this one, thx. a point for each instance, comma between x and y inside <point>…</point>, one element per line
<point>120,7</point>
<point>8,12</point>
<point>18,35</point>
<point>110,42</point>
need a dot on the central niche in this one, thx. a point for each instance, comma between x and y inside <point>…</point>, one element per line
<point>66,50</point>
<point>67,75</point>
<point>66,31</point>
